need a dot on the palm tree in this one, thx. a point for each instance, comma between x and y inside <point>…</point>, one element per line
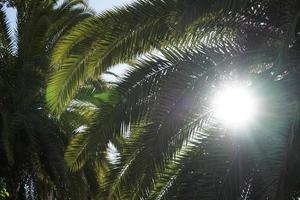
<point>32,141</point>
<point>176,148</point>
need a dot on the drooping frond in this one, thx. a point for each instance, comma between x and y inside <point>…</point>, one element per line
<point>64,18</point>
<point>123,34</point>
<point>164,94</point>
<point>172,108</point>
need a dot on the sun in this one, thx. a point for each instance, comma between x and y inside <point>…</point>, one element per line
<point>235,106</point>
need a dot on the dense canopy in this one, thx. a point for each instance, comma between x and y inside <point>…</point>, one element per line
<point>155,133</point>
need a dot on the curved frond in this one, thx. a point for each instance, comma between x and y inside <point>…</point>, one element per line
<point>122,35</point>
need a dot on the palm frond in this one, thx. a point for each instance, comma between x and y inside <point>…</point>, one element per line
<point>102,42</point>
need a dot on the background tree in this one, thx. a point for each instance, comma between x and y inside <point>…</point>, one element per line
<point>33,141</point>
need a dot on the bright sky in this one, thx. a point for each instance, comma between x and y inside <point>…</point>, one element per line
<point>100,5</point>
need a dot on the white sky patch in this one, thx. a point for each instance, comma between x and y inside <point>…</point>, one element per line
<point>112,153</point>
<point>119,70</point>
<point>81,129</point>
<point>11,15</point>
<point>102,5</point>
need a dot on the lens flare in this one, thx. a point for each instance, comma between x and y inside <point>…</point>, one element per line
<point>235,106</point>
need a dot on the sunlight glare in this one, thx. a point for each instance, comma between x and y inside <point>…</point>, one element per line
<point>235,106</point>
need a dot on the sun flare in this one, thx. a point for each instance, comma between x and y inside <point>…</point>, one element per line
<point>235,106</point>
